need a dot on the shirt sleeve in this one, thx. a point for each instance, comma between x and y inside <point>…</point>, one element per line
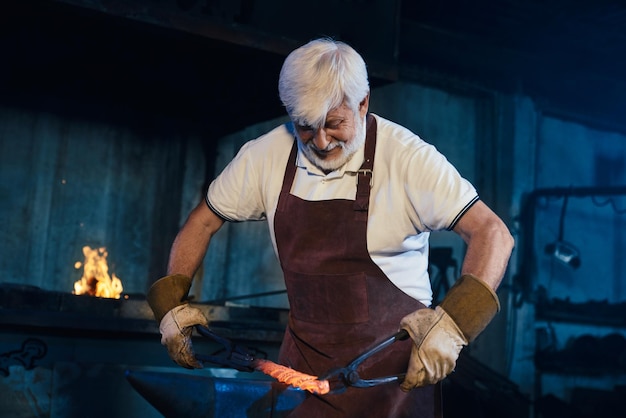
<point>248,188</point>
<point>436,190</point>
<point>235,194</point>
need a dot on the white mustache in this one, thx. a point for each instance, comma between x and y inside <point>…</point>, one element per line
<point>328,148</point>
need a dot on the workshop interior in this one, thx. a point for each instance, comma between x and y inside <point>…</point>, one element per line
<point>115,116</point>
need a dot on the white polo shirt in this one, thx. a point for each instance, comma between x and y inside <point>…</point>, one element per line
<point>415,190</point>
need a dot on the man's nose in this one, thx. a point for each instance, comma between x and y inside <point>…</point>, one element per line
<point>320,140</point>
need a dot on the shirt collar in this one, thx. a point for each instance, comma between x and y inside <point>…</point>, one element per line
<point>352,166</point>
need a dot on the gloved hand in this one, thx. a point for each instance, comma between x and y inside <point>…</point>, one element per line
<point>176,328</point>
<point>438,342</point>
<point>168,299</point>
<point>439,335</point>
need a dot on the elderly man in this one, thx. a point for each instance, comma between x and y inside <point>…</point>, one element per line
<point>350,199</point>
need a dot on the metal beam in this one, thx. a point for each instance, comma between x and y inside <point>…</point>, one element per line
<point>269,25</point>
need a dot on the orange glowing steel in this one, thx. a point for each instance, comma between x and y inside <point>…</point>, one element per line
<point>292,377</point>
<point>96,280</point>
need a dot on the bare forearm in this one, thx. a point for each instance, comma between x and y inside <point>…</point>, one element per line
<point>187,253</point>
<point>489,244</point>
<point>487,256</point>
<point>192,241</point>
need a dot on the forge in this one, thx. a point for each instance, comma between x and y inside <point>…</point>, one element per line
<point>65,355</point>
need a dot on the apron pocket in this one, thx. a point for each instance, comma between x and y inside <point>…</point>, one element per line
<point>328,299</point>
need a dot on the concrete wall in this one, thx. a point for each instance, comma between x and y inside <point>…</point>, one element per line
<point>69,182</point>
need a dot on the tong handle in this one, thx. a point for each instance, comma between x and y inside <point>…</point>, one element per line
<point>398,336</point>
<point>236,356</point>
<point>367,383</point>
<point>206,332</point>
<point>349,376</point>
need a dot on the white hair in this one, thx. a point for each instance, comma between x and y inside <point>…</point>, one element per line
<point>318,77</point>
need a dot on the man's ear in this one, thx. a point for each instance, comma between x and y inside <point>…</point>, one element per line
<point>364,105</point>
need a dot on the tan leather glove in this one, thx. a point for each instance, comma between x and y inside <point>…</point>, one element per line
<point>439,335</point>
<point>438,342</point>
<point>168,299</point>
<point>176,328</point>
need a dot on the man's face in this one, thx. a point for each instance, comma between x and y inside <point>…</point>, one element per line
<point>332,145</point>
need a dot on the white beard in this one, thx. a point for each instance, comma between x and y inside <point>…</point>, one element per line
<point>348,149</point>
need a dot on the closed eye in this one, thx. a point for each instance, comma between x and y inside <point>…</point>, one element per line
<point>334,124</point>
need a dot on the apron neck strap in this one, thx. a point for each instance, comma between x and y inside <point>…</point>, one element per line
<point>365,175</point>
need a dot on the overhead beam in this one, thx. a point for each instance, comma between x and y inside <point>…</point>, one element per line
<point>271,25</point>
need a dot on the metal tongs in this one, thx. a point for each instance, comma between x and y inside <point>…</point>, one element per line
<point>242,359</point>
<point>232,355</point>
<point>343,377</point>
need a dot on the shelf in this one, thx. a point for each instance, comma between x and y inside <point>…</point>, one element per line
<point>599,313</point>
<point>586,355</point>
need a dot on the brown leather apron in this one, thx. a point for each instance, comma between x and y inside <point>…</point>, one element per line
<point>341,303</point>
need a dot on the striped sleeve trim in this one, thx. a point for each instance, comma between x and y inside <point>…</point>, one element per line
<point>217,212</point>
<point>462,212</point>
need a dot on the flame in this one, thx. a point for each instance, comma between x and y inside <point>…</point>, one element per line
<point>96,280</point>
<point>292,377</point>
